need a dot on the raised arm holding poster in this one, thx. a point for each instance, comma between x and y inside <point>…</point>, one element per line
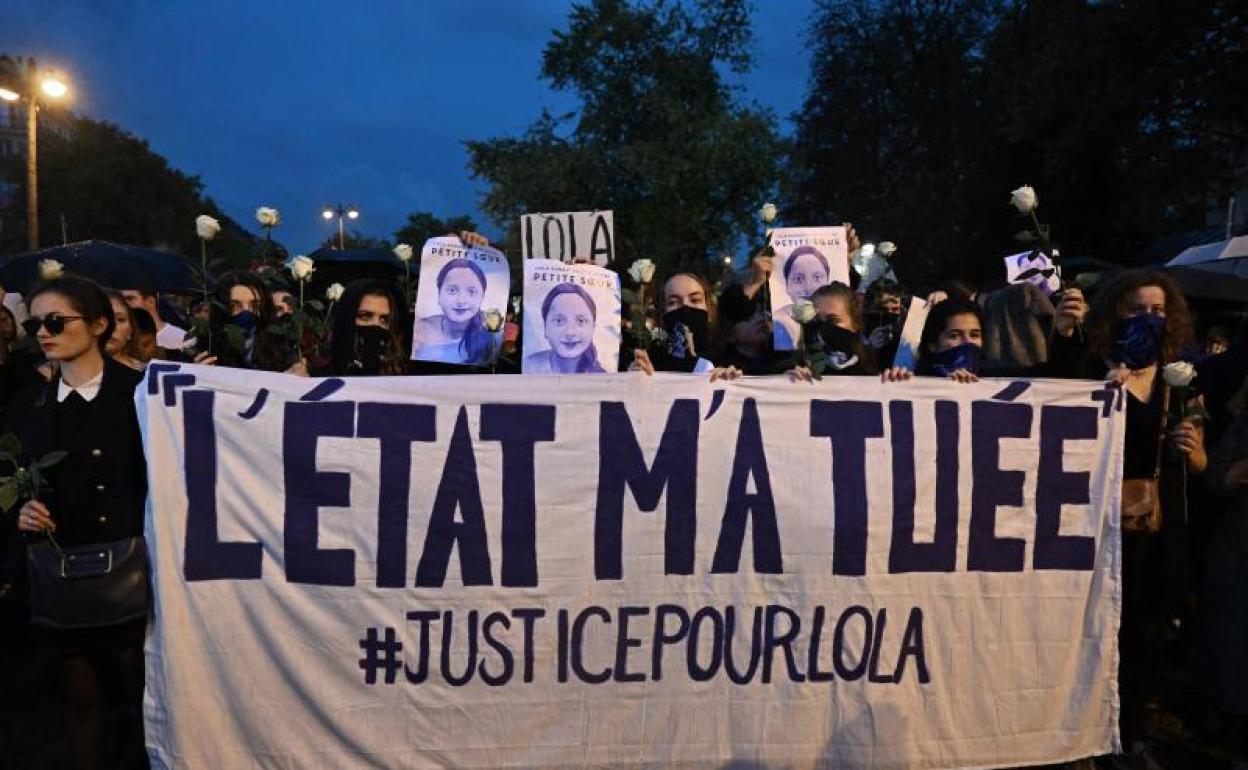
<point>571,318</point>
<point>570,236</point>
<point>458,285</point>
<point>806,258</point>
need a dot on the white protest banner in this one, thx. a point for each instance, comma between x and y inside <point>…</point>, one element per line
<point>806,258</point>
<point>458,286</point>
<point>571,318</point>
<point>907,354</point>
<point>1034,267</point>
<point>629,571</point>
<point>569,236</point>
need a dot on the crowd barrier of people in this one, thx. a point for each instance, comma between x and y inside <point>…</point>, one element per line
<point>69,369</point>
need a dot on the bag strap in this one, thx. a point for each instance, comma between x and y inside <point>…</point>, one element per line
<point>1161,433</point>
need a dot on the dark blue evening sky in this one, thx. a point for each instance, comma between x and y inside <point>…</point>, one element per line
<point>296,104</point>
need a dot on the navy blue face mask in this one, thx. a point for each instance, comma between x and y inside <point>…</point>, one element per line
<point>1137,340</point>
<point>965,356</point>
<point>245,320</point>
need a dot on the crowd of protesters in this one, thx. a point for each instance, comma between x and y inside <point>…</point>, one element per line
<point>68,370</point>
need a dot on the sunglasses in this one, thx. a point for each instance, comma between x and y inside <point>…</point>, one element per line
<point>55,324</point>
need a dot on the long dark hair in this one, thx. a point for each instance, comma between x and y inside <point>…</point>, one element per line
<point>475,344</point>
<point>342,340</point>
<point>935,325</point>
<point>271,351</point>
<point>132,348</point>
<point>86,297</point>
<point>587,361</point>
<point>1111,304</point>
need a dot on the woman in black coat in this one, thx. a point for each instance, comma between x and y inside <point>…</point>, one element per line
<point>94,495</point>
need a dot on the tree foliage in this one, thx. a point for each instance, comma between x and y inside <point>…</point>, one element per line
<point>354,239</point>
<point>1129,118</point>
<point>108,184</point>
<point>423,225</point>
<point>660,137</point>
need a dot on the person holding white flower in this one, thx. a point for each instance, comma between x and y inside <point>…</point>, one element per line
<point>1139,325</point>
<point>689,321</point>
<point>85,636</point>
<point>368,335</point>
<point>241,311</point>
<point>833,336</point>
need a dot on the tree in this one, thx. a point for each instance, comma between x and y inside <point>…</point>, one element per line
<point>888,134</point>
<point>1127,117</point>
<point>423,225</point>
<point>109,185</point>
<point>353,238</point>
<point>660,137</point>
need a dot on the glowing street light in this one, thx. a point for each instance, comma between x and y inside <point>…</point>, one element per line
<point>52,86</point>
<point>341,211</point>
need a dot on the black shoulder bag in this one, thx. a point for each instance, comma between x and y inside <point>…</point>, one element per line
<point>102,584</point>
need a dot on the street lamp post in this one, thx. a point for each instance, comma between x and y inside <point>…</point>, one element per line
<point>342,211</point>
<point>55,88</point>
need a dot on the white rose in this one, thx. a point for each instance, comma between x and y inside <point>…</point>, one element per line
<point>1024,199</point>
<point>642,270</point>
<point>207,227</point>
<point>493,319</point>
<point>334,292</point>
<point>768,212</point>
<point>268,217</point>
<point>301,267</point>
<point>49,269</point>
<point>403,252</point>
<point>887,249</point>
<point>803,311</point>
<point>1179,374</point>
<point>867,250</point>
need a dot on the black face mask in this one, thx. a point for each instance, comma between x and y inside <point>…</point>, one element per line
<point>694,320</point>
<point>840,346</point>
<point>246,320</point>
<point>372,349</point>
<point>836,338</point>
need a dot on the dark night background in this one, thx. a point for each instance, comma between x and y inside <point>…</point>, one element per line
<point>296,104</point>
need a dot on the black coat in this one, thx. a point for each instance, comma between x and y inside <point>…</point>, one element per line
<point>97,492</point>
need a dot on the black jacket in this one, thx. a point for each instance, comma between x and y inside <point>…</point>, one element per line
<point>97,492</point>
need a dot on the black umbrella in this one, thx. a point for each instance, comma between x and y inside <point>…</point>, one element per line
<point>112,264</point>
<point>347,265</point>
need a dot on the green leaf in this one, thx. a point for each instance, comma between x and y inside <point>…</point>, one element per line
<point>10,445</point>
<point>8,495</point>
<point>235,337</point>
<point>51,458</point>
